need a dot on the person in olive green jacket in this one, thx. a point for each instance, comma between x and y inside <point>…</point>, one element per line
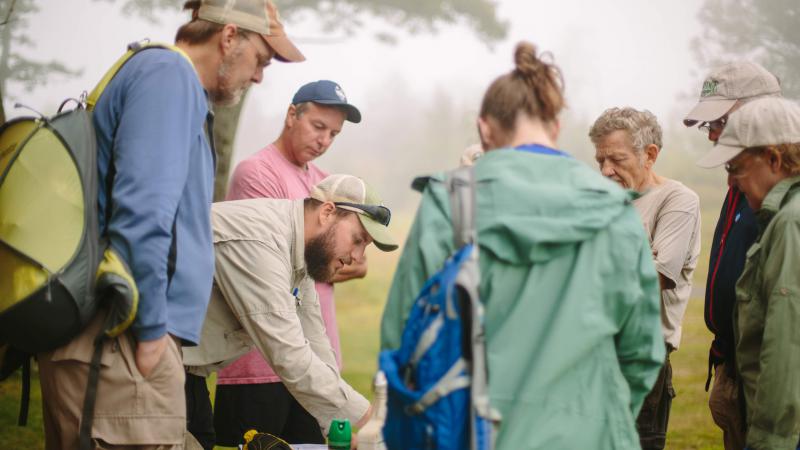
<point>760,148</point>
<point>574,339</point>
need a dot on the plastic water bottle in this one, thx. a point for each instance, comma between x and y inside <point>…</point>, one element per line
<point>339,434</point>
<point>370,436</point>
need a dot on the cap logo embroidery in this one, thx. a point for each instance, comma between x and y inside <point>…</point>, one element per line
<point>340,93</point>
<point>709,88</point>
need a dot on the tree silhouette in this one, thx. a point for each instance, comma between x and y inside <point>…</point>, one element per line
<point>764,31</point>
<point>345,16</point>
<point>14,65</point>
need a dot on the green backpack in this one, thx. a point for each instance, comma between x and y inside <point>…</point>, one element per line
<point>56,267</point>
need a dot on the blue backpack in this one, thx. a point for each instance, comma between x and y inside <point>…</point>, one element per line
<point>437,379</point>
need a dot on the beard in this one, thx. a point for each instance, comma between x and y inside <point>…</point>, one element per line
<point>225,94</point>
<point>319,255</point>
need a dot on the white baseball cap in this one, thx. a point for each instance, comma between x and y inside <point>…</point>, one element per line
<point>761,122</point>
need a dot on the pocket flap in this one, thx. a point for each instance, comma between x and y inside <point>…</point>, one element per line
<point>81,347</point>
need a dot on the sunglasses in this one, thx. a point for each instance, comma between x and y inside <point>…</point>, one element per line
<point>378,213</point>
<point>716,126</point>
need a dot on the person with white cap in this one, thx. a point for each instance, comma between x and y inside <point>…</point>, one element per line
<point>724,90</point>
<point>153,125</point>
<point>285,169</point>
<point>760,148</point>
<point>269,252</point>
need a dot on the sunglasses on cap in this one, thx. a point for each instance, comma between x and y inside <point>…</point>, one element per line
<point>716,125</point>
<point>378,213</point>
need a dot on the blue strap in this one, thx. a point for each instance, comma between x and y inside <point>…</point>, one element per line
<point>541,149</point>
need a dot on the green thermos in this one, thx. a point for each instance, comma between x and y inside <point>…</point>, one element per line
<point>339,434</point>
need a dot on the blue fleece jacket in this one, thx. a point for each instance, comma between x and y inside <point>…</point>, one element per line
<point>151,117</point>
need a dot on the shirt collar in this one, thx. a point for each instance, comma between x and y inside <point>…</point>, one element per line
<point>775,199</point>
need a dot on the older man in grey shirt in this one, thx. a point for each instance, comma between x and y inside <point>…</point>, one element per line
<point>627,143</point>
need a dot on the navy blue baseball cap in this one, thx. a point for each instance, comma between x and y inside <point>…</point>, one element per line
<point>326,92</point>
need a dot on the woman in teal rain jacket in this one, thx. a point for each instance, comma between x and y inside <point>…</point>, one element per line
<point>571,294</point>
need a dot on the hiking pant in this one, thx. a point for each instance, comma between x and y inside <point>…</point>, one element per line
<point>199,416</point>
<point>654,416</point>
<point>724,401</point>
<point>131,411</point>
<point>266,407</point>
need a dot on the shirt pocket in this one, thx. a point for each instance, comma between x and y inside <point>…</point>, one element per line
<point>747,285</point>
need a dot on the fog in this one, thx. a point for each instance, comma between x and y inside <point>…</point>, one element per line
<point>419,97</point>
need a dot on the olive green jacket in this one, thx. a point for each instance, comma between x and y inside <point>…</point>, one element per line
<point>573,326</point>
<point>767,322</point>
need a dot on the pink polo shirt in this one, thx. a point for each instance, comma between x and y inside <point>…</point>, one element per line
<point>268,174</point>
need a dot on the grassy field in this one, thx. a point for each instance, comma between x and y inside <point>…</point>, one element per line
<point>359,306</point>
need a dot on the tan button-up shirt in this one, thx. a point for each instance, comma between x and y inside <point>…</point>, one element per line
<point>262,297</point>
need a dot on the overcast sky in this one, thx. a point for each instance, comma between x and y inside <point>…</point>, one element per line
<point>622,52</point>
<point>611,51</point>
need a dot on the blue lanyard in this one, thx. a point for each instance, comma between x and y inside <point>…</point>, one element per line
<point>541,149</point>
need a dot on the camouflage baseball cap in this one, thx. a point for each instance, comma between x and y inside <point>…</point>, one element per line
<point>353,194</point>
<point>743,80</point>
<point>259,16</point>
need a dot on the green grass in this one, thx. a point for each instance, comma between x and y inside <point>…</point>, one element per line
<point>691,426</point>
<point>359,306</point>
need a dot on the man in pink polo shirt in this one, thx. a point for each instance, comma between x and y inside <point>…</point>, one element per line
<point>249,393</point>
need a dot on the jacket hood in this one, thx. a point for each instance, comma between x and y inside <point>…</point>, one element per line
<point>532,207</point>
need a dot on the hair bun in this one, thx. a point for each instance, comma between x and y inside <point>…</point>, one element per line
<point>525,59</point>
<point>535,87</point>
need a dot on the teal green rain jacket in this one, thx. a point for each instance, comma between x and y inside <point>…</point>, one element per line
<point>571,294</point>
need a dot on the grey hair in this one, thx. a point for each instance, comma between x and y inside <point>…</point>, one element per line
<point>642,126</point>
<point>300,108</point>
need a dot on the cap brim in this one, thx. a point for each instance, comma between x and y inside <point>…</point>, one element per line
<point>708,111</point>
<point>284,49</point>
<point>379,233</point>
<point>718,156</point>
<point>353,114</point>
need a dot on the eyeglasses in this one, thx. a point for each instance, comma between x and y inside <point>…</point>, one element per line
<point>378,213</point>
<point>716,126</point>
<point>733,169</point>
<point>736,169</point>
<point>263,61</point>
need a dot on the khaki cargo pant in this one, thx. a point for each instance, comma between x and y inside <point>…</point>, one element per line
<point>131,411</point>
<point>726,409</point>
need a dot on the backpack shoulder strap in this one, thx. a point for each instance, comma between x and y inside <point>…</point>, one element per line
<point>484,419</point>
<point>133,48</point>
<point>461,187</point>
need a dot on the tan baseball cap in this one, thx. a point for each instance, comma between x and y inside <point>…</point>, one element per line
<point>353,194</point>
<point>764,121</point>
<point>742,80</point>
<point>259,16</point>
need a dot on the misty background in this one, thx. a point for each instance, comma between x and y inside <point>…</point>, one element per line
<point>417,70</point>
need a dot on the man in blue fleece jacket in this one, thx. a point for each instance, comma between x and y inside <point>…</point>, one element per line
<point>153,125</point>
